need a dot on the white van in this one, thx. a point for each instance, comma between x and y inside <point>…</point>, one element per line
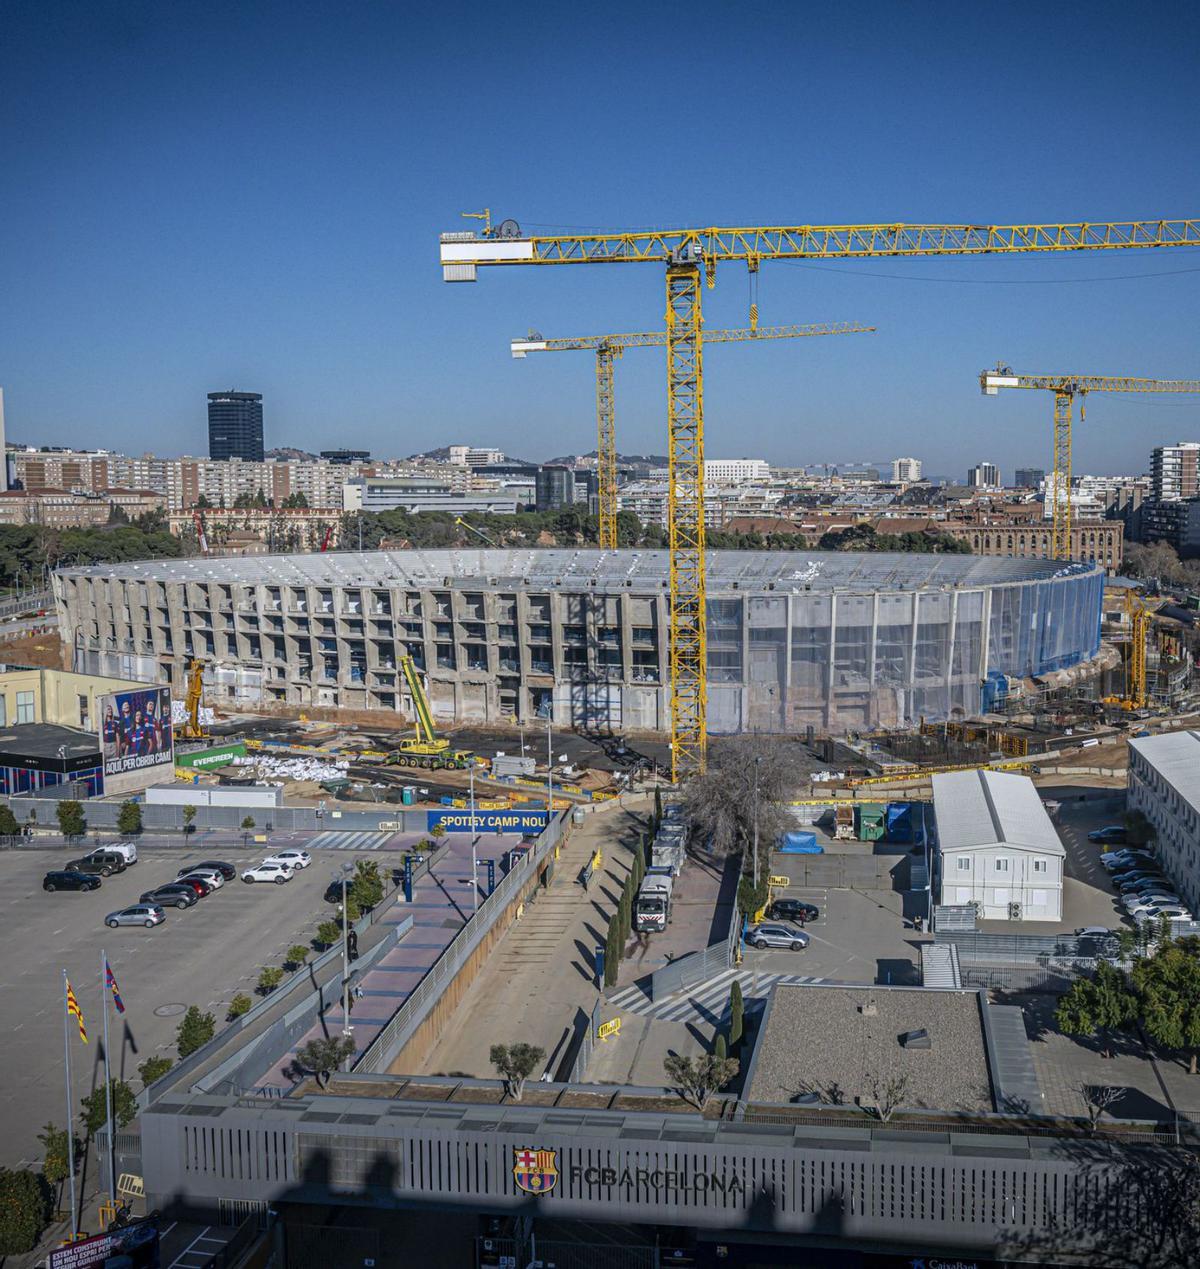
<point>127,851</point>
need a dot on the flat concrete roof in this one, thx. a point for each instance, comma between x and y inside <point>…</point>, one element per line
<point>990,808</point>
<point>43,740</point>
<point>819,1039</point>
<point>641,571</point>
<point>1175,755</point>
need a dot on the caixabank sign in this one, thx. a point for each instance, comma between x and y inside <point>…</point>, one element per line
<point>456,821</point>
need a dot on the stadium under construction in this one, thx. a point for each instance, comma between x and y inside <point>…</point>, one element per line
<point>834,641</point>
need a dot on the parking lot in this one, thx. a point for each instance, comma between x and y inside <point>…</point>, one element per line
<point>202,956</point>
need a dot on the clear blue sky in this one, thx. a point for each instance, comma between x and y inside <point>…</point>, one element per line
<point>203,196</point>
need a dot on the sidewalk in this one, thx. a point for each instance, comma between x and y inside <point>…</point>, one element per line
<point>541,978</point>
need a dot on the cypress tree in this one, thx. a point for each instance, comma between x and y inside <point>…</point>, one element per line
<point>737,1013</point>
<point>720,1049</point>
<point>612,952</point>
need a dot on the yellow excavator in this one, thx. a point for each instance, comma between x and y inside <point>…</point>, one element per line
<point>192,730</point>
<point>426,749</point>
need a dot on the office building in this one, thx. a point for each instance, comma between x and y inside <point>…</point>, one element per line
<point>984,476</point>
<point>3,448</point>
<point>554,488</point>
<point>1164,784</point>
<point>906,471</point>
<point>1175,471</point>
<point>421,493</point>
<point>235,426</point>
<point>735,471</point>
<point>346,457</point>
<point>1175,522</point>
<point>1028,478</point>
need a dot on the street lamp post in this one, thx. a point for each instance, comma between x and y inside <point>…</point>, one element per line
<point>549,765</point>
<point>757,761</point>
<point>347,1029</point>
<point>474,845</point>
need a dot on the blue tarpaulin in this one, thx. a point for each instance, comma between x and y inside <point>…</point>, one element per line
<point>800,844</point>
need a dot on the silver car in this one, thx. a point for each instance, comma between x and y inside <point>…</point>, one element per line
<point>777,936</point>
<point>147,914</point>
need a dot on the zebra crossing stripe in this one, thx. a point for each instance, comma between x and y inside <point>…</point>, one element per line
<point>349,841</point>
<point>710,998</point>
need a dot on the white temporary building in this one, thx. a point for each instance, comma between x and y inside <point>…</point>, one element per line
<point>998,848</point>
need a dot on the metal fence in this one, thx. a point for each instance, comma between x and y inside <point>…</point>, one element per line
<point>587,1045</point>
<point>379,1055</point>
<point>698,967</point>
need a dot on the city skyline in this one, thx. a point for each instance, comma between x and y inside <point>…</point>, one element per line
<point>362,339</point>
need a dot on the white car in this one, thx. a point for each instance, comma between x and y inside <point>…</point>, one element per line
<point>211,875</point>
<point>292,857</point>
<point>1139,902</point>
<point>127,851</point>
<point>1175,911</point>
<point>269,870</point>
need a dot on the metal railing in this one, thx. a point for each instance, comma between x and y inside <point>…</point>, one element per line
<point>587,1046</point>
<point>698,967</point>
<point>380,1053</point>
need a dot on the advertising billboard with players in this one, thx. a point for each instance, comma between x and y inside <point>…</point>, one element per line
<point>136,744</point>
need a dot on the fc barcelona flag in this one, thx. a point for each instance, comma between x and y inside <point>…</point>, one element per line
<point>74,1010</point>
<point>110,982</point>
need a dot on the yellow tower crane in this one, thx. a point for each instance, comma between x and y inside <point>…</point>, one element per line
<point>607,349</point>
<point>684,254</point>
<point>1065,388</point>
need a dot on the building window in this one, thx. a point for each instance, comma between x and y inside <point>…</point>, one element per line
<point>1041,865</point>
<point>24,708</point>
<point>3,711</point>
<point>964,863</point>
<point>1001,865</point>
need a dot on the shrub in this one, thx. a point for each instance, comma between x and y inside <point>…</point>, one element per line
<point>297,954</point>
<point>23,1210</point>
<point>248,822</point>
<point>54,1154</point>
<point>95,1109</point>
<point>70,819</point>
<point>240,1004</point>
<point>269,978</point>
<point>720,1048</point>
<point>194,1031</point>
<point>366,889</point>
<point>154,1069</point>
<point>329,933</point>
<point>8,822</point>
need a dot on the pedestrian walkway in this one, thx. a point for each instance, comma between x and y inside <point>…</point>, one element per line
<point>350,841</point>
<point>706,1002</point>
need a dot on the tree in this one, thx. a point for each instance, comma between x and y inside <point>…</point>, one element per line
<point>194,1031</point>
<point>1168,986</point>
<point>886,1096</point>
<point>329,932</point>
<point>515,1064</point>
<point>297,954</point>
<point>658,809</point>
<point>55,1148</point>
<point>296,499</point>
<point>720,1047</point>
<point>269,978</point>
<point>737,1014</point>
<point>1097,1098</point>
<point>1097,1005</point>
<point>612,951</point>
<point>70,819</point>
<point>438,831</point>
<point>23,1211</point>
<point>8,822</point>
<point>240,1004</point>
<point>366,888</point>
<point>95,1111</point>
<point>248,823</point>
<point>189,814</point>
<point>154,1069</point>
<point>696,1079</point>
<point>129,818</point>
<point>325,1055</point>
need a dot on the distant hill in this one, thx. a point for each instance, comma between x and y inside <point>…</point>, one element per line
<point>289,452</point>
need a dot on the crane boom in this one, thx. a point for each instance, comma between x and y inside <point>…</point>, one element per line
<point>609,347</point>
<point>685,252</point>
<point>426,749</point>
<point>1065,389</point>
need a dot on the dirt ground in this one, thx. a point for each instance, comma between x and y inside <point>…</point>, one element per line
<point>43,650</point>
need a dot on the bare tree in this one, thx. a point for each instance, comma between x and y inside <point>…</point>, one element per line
<point>720,804</point>
<point>1097,1098</point>
<point>887,1096</point>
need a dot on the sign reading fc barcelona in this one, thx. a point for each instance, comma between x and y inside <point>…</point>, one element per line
<point>535,1171</point>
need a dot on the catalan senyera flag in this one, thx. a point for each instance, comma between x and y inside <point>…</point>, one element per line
<point>74,1010</point>
<point>110,981</point>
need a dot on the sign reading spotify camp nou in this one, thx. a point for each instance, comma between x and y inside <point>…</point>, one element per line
<point>136,744</point>
<point>454,820</point>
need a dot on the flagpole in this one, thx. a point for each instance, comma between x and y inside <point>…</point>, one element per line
<point>112,1153</point>
<point>70,1131</point>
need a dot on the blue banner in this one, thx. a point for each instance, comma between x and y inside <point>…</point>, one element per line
<point>459,821</point>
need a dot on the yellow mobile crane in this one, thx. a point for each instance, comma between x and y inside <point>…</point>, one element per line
<point>607,349</point>
<point>685,254</point>
<point>425,749</point>
<point>192,730</point>
<point>1065,388</point>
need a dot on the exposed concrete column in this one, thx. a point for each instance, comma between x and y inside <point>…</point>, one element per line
<point>872,693</point>
<point>950,651</point>
<point>829,711</point>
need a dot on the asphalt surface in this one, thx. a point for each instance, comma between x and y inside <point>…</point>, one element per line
<point>202,956</point>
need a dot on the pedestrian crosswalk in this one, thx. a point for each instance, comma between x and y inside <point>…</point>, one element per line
<point>707,1001</point>
<point>349,841</point>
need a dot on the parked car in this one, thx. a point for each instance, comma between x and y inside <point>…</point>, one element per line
<point>1174,911</point>
<point>1110,833</point>
<point>172,895</point>
<point>103,862</point>
<point>268,871</point>
<point>70,879</point>
<point>778,936</point>
<point>1142,884</point>
<point>1115,860</point>
<point>147,914</point>
<point>211,875</point>
<point>793,910</point>
<point>1150,902</point>
<point>127,851</point>
<point>201,885</point>
<point>292,857</point>
<point>1120,879</point>
<point>228,871</point>
<point>1093,932</point>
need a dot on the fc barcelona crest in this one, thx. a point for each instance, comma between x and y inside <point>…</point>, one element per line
<point>535,1171</point>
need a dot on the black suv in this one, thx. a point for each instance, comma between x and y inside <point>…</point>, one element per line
<point>793,910</point>
<point>105,862</point>
<point>70,879</point>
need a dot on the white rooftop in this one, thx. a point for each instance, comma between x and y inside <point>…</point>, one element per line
<point>991,808</point>
<point>1175,755</point>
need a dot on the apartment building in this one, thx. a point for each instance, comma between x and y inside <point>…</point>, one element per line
<point>735,471</point>
<point>906,471</point>
<point>1164,784</point>
<point>1175,471</point>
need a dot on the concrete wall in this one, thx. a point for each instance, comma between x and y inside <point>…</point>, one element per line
<point>56,696</point>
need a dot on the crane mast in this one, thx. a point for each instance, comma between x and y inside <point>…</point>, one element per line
<point>687,253</point>
<point>608,348</point>
<point>1065,389</point>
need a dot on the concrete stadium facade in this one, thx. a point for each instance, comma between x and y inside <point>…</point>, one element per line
<point>834,640</point>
